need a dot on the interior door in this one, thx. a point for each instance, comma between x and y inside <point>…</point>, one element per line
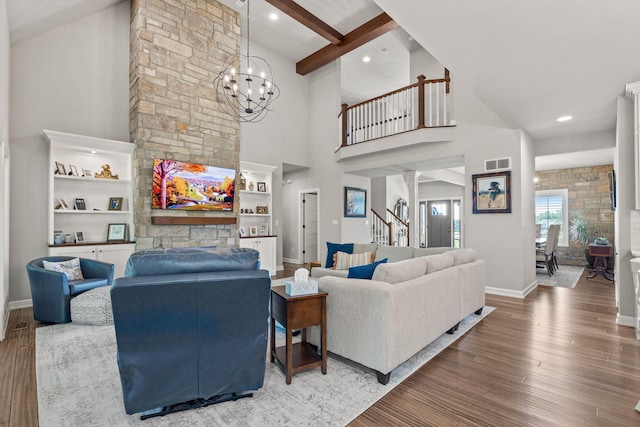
<point>309,227</point>
<point>439,223</point>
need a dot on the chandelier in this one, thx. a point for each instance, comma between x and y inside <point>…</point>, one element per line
<point>244,87</point>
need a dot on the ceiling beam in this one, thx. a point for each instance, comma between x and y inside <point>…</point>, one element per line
<point>308,19</point>
<point>368,31</point>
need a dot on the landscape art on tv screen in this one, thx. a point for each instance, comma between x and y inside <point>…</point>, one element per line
<point>182,185</point>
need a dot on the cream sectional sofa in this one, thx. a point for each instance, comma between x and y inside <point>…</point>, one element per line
<point>382,322</point>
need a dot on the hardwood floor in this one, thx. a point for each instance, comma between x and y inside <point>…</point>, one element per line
<point>554,358</point>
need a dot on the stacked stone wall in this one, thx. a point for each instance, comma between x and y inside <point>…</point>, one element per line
<point>589,194</point>
<point>177,47</point>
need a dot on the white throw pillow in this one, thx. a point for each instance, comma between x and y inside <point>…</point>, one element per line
<point>70,268</point>
<point>343,260</point>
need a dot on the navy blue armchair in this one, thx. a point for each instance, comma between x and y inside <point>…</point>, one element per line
<point>51,292</point>
<point>191,327</point>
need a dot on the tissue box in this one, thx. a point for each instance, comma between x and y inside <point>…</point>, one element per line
<point>293,289</point>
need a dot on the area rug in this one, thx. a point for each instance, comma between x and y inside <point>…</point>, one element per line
<point>79,385</point>
<point>566,276</point>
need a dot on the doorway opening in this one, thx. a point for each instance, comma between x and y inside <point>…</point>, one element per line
<point>440,223</point>
<point>309,220</point>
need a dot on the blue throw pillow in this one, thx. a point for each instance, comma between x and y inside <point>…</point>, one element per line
<point>332,248</point>
<point>364,271</point>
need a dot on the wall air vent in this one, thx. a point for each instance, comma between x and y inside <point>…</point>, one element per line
<point>497,164</point>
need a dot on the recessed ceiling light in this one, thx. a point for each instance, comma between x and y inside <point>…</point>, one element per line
<point>273,17</point>
<point>564,118</point>
<point>366,59</point>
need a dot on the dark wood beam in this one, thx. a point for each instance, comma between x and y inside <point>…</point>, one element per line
<point>308,19</point>
<point>368,31</point>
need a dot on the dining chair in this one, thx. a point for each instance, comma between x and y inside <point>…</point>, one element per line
<point>545,255</point>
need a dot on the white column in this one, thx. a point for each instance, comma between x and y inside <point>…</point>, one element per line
<point>411,179</point>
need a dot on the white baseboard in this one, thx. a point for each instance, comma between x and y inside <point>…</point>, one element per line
<point>291,260</point>
<point>25,303</point>
<point>279,268</point>
<point>625,321</point>
<point>511,293</point>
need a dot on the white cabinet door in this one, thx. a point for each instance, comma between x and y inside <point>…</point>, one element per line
<point>267,248</point>
<point>117,255</point>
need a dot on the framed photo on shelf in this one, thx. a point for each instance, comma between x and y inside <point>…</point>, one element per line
<point>116,232</point>
<point>253,230</point>
<point>492,192</point>
<point>62,203</point>
<point>73,170</point>
<point>86,172</point>
<point>115,203</point>
<point>243,232</point>
<point>355,202</point>
<point>264,229</point>
<point>79,237</point>
<point>262,210</point>
<point>80,205</point>
<point>60,169</point>
<point>262,187</point>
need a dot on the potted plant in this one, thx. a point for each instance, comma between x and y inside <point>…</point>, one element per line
<point>579,233</point>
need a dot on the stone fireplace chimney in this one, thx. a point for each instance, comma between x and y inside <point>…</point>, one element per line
<point>177,47</point>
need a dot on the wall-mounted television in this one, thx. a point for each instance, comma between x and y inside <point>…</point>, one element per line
<point>192,186</point>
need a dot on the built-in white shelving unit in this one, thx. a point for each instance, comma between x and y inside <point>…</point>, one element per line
<point>255,221</point>
<point>105,200</point>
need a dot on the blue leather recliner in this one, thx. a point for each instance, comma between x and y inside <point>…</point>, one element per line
<point>191,327</point>
<point>51,292</point>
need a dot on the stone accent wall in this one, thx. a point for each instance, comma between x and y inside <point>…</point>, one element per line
<point>177,47</point>
<point>588,190</point>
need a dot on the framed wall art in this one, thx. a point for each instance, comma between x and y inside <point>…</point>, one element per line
<point>116,232</point>
<point>492,192</point>
<point>355,202</point>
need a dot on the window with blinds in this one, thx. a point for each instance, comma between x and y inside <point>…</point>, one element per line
<point>552,208</point>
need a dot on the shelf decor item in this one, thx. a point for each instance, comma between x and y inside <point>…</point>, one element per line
<point>116,232</point>
<point>62,203</point>
<point>106,173</point>
<point>262,210</point>
<point>80,205</point>
<point>79,237</point>
<point>60,169</point>
<point>262,187</point>
<point>242,183</point>
<point>86,172</point>
<point>253,230</point>
<point>115,203</point>
<point>264,229</point>
<point>74,171</point>
<point>243,232</point>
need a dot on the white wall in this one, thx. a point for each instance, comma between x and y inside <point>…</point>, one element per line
<point>423,63</point>
<point>72,79</point>
<point>439,190</point>
<point>575,143</point>
<point>397,189</point>
<point>625,176</point>
<point>293,183</point>
<point>4,169</point>
<point>281,137</point>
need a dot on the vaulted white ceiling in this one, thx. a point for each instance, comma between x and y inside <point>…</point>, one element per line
<point>529,61</point>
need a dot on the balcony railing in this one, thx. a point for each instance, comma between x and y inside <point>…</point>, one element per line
<point>423,104</point>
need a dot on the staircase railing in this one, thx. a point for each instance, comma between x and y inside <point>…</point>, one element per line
<point>399,230</point>
<point>381,230</point>
<point>391,231</point>
<point>422,104</point>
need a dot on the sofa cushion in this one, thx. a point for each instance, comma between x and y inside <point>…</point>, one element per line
<point>344,260</point>
<point>420,252</point>
<point>401,271</point>
<point>332,248</point>
<point>364,271</point>
<point>463,256</point>
<point>438,262</point>
<point>394,253</point>
<point>317,272</point>
<point>70,268</point>
<point>191,260</point>
<point>358,248</point>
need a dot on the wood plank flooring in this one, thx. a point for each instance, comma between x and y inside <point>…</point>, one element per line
<point>556,358</point>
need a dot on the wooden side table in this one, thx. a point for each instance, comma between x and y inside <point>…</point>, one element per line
<point>600,252</point>
<point>298,312</point>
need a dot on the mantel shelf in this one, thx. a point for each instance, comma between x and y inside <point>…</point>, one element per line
<point>192,220</point>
